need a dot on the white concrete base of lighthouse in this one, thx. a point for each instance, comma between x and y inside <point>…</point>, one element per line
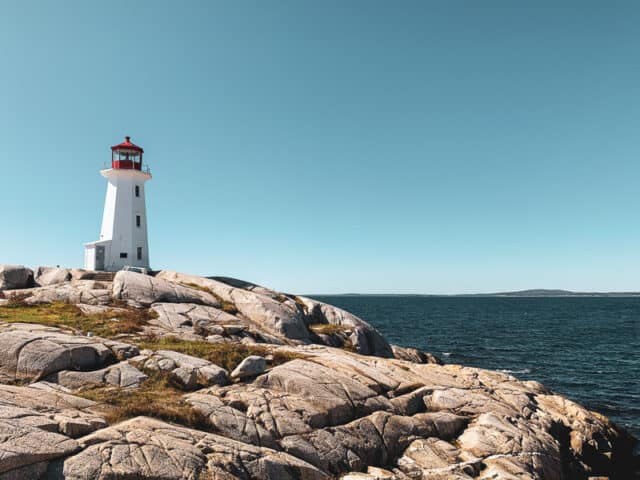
<point>123,237</point>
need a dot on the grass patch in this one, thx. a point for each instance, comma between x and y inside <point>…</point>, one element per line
<point>195,286</point>
<point>158,397</point>
<point>301,305</point>
<point>228,307</point>
<point>225,306</point>
<point>328,328</point>
<point>225,355</point>
<point>106,324</point>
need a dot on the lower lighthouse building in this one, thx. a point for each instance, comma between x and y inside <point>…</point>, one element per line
<point>123,237</point>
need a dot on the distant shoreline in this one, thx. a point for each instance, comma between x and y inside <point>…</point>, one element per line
<point>517,294</point>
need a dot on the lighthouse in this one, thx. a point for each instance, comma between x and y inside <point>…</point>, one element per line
<point>123,237</point>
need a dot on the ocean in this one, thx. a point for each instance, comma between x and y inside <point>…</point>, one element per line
<point>586,348</point>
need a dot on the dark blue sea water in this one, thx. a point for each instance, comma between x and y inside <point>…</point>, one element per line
<point>586,348</point>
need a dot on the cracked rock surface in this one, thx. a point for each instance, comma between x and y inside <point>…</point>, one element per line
<point>186,369</point>
<point>31,352</point>
<point>89,292</point>
<point>353,412</point>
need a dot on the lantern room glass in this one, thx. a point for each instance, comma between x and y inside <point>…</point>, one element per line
<point>127,156</point>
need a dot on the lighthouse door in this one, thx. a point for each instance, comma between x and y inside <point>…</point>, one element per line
<point>99,257</point>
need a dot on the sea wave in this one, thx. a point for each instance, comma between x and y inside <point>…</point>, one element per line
<point>514,372</point>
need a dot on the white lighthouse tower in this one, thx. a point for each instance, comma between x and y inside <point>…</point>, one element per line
<point>123,237</point>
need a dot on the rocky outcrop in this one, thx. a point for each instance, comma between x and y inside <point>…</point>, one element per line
<point>199,322</point>
<point>150,449</point>
<point>37,427</point>
<point>122,374</point>
<point>341,412</point>
<point>187,370</point>
<point>89,292</point>
<point>279,316</point>
<point>299,410</point>
<point>288,317</point>
<point>414,355</point>
<point>364,338</point>
<point>13,277</point>
<point>31,352</point>
<point>250,367</point>
<point>52,276</point>
<point>142,291</point>
<point>48,409</point>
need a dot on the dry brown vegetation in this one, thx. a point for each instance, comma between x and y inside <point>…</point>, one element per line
<point>327,328</point>
<point>107,324</point>
<point>227,306</point>
<point>300,303</point>
<point>159,397</point>
<point>16,299</point>
<point>281,298</point>
<point>225,355</point>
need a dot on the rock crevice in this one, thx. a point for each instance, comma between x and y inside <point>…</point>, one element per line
<point>326,397</point>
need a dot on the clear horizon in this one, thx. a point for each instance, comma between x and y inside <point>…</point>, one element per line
<point>365,147</point>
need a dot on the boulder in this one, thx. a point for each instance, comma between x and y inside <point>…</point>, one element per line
<point>414,355</point>
<point>143,290</point>
<point>286,316</point>
<point>492,435</point>
<point>187,370</point>
<point>278,316</point>
<point>375,440</point>
<point>429,458</point>
<point>121,374</point>
<point>373,473</point>
<point>187,319</point>
<point>87,292</point>
<point>150,449</point>
<point>365,339</point>
<point>187,377</point>
<point>13,277</point>
<point>52,276</point>
<point>50,410</point>
<point>32,352</point>
<point>250,367</point>
<point>22,444</point>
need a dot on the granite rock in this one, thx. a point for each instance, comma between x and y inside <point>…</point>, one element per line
<point>14,277</point>
<point>52,275</point>
<point>143,290</point>
<point>250,367</point>
<point>30,352</point>
<point>150,449</point>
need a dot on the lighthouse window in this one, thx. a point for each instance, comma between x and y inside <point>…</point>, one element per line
<point>139,253</point>
<point>137,220</point>
<point>137,190</point>
<point>123,255</point>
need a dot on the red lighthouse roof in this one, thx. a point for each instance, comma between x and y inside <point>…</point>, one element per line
<point>127,145</point>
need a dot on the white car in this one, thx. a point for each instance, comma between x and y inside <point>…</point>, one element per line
<point>131,268</point>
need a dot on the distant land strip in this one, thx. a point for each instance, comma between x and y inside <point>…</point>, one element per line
<point>519,293</point>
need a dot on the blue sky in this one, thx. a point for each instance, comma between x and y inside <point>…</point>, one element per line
<point>334,146</point>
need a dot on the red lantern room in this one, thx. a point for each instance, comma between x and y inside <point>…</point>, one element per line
<point>126,156</point>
